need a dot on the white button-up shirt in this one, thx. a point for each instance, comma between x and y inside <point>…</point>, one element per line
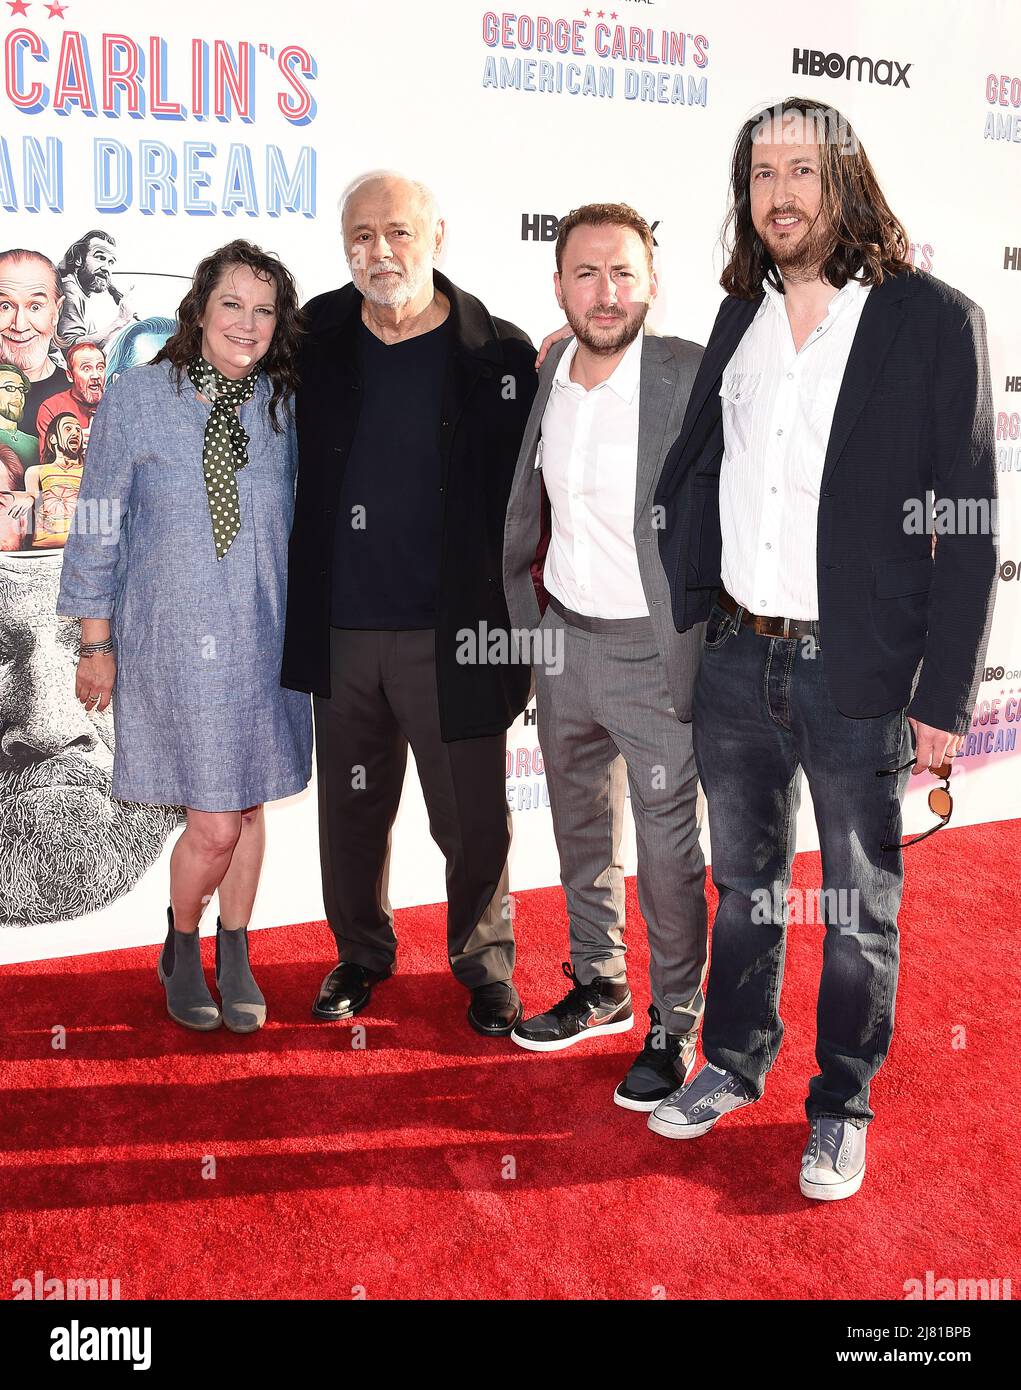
<point>777,413</point>
<point>589,459</point>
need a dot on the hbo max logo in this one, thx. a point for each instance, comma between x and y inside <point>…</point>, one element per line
<point>999,673</point>
<point>812,63</point>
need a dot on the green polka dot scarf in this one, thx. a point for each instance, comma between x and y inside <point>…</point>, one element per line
<point>225,447</point>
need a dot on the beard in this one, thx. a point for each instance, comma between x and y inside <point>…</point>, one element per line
<point>799,259</point>
<point>607,342</point>
<point>393,292</point>
<point>29,355</point>
<point>68,849</point>
<point>94,283</point>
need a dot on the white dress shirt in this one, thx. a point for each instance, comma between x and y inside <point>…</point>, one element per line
<point>777,413</point>
<point>588,454</point>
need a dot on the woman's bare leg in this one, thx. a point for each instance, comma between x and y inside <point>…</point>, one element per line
<point>241,881</point>
<point>200,859</point>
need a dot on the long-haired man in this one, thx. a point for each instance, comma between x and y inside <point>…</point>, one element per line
<point>840,391</point>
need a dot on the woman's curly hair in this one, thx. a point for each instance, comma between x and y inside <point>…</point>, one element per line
<point>280,361</point>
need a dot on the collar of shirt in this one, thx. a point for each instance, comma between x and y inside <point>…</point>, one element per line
<point>849,294</point>
<point>623,381</point>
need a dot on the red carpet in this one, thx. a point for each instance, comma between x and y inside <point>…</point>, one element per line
<point>340,1169</point>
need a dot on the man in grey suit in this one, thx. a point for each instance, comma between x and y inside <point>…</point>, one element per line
<point>581,560</point>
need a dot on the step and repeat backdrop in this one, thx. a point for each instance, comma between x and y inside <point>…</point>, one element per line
<point>136,138</point>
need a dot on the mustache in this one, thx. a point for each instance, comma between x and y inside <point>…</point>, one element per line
<point>794,211</point>
<point>606,311</point>
<point>54,772</point>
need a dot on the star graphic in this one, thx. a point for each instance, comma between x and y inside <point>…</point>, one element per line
<point>586,13</point>
<point>601,13</point>
<point>17,7</point>
<point>613,14</point>
<point>56,10</point>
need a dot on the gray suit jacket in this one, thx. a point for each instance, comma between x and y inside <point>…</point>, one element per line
<point>668,371</point>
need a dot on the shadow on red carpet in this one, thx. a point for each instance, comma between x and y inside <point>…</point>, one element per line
<point>409,1157</point>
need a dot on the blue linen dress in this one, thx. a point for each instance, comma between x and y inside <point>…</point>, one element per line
<point>200,717</point>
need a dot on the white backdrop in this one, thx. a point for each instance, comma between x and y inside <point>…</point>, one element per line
<point>408,85</point>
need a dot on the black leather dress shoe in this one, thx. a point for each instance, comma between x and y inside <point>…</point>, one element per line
<point>495,1009</point>
<point>346,991</point>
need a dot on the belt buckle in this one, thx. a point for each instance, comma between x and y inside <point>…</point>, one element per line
<point>786,627</point>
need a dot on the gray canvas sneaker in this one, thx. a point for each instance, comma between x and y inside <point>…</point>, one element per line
<point>833,1164</point>
<point>694,1109</point>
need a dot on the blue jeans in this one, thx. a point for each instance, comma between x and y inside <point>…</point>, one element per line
<point>762,713</point>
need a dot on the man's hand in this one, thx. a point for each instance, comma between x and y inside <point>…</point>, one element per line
<point>20,507</point>
<point>95,680</point>
<point>548,342</point>
<point>933,747</point>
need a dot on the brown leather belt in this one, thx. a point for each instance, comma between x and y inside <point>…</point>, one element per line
<point>769,627</point>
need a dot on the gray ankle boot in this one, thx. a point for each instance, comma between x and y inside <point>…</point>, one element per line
<point>180,972</point>
<point>244,1008</point>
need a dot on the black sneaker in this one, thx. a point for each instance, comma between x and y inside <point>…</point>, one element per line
<point>664,1063</point>
<point>586,1011</point>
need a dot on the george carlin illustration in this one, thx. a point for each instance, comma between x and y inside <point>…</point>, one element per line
<point>66,848</point>
<point>93,306</point>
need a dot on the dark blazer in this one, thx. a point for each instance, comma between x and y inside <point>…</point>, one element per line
<point>487,394</point>
<point>914,415</point>
<point>668,370</point>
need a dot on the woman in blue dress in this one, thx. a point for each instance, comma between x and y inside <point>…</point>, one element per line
<point>177,567</point>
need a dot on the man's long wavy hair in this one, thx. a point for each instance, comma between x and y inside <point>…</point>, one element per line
<point>280,361</point>
<point>864,236</point>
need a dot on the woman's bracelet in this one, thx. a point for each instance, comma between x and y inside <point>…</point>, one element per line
<point>96,648</point>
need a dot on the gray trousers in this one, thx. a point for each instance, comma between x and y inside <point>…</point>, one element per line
<point>605,716</point>
<point>384,698</point>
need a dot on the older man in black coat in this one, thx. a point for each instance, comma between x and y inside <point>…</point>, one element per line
<point>412,404</point>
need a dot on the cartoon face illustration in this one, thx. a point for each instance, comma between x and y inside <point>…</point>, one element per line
<point>66,848</point>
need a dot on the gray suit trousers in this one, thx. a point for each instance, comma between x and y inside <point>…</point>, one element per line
<point>607,716</point>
